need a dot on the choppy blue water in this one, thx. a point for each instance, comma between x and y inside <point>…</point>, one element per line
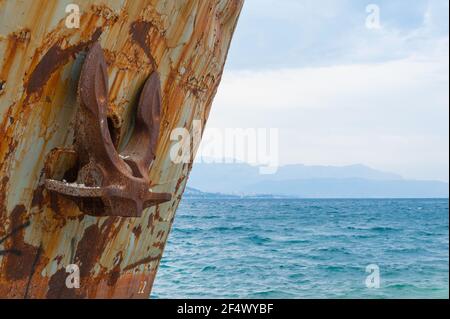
<point>278,248</point>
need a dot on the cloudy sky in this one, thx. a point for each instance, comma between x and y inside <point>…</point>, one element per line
<point>339,92</point>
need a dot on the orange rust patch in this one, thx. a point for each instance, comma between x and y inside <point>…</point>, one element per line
<point>91,245</point>
<point>38,197</point>
<point>139,31</point>
<point>20,254</point>
<point>2,86</point>
<point>16,41</point>
<point>137,230</point>
<point>143,261</point>
<point>57,287</point>
<point>52,60</point>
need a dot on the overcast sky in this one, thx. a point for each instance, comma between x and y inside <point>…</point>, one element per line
<point>339,92</point>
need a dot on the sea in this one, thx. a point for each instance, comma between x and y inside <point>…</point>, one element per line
<point>307,248</point>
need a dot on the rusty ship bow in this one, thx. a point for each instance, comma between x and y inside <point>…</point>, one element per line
<point>75,188</point>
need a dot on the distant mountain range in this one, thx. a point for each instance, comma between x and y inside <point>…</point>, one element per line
<point>195,193</point>
<point>353,181</point>
<point>190,192</point>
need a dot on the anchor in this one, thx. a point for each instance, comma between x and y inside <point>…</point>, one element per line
<point>110,183</point>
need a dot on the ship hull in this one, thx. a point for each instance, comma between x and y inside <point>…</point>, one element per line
<point>41,233</point>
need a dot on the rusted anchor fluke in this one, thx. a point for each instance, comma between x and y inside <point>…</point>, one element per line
<point>110,183</point>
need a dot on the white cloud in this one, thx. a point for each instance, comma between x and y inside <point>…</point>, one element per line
<point>293,33</point>
<point>362,85</point>
<point>341,93</point>
<point>391,115</point>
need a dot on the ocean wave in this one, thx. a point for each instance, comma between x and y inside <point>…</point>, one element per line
<point>187,230</point>
<point>233,228</point>
<point>384,229</point>
<point>375,228</point>
<point>411,250</point>
<point>334,268</point>
<point>296,241</point>
<point>259,240</point>
<point>209,268</point>
<point>297,276</point>
<point>401,286</point>
<point>332,250</point>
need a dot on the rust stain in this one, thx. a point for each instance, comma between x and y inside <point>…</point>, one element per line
<point>33,270</point>
<point>17,40</point>
<point>137,230</point>
<point>142,261</point>
<point>57,287</point>
<point>115,273</point>
<point>88,254</point>
<point>139,31</point>
<point>3,183</point>
<point>2,86</point>
<point>53,60</point>
<point>20,254</point>
<point>38,197</point>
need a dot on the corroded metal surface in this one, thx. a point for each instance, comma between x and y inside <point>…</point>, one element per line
<point>186,42</point>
